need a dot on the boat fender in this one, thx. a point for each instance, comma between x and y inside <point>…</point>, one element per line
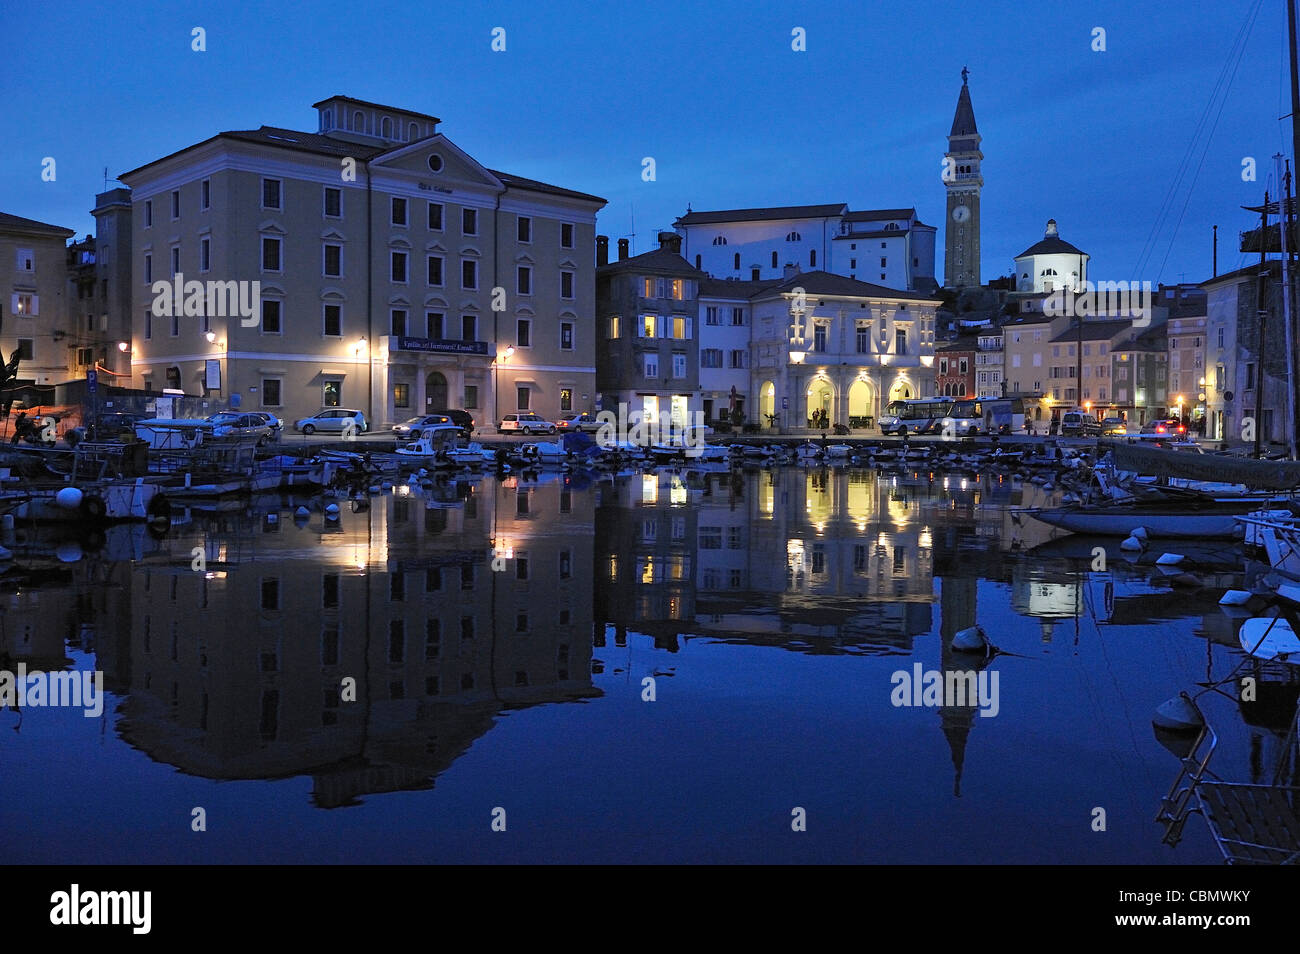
<point>1169,559</point>
<point>69,498</point>
<point>1130,544</point>
<point>93,507</point>
<point>304,512</point>
<point>1179,714</point>
<point>1139,533</point>
<point>332,510</point>
<point>160,508</point>
<point>1235,598</point>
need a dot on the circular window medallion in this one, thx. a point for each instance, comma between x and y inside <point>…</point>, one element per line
<point>435,162</point>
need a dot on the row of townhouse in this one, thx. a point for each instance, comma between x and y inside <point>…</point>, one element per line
<point>782,352</point>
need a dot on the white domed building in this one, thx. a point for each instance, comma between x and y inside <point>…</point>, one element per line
<point>1051,264</point>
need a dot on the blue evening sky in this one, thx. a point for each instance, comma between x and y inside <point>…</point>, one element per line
<point>731,114</point>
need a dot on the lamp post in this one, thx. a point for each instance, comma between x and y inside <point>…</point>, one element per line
<point>499,360</point>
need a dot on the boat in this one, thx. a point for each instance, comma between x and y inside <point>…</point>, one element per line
<point>1184,516</point>
<point>1270,638</point>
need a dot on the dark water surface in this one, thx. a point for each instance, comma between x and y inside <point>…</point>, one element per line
<point>771,611</point>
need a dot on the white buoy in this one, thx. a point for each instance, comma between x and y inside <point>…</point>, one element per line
<point>1178,714</point>
<point>1169,559</point>
<point>69,498</point>
<point>1139,533</point>
<point>1235,598</point>
<point>970,640</point>
<point>1131,543</point>
<point>304,512</point>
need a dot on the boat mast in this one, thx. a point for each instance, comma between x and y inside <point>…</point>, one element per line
<point>1284,225</point>
<point>1287,291</point>
<point>1261,313</point>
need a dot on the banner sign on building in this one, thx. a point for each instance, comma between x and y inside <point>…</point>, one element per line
<point>439,346</point>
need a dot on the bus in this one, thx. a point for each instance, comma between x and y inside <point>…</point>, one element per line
<point>1000,415</point>
<point>915,416</point>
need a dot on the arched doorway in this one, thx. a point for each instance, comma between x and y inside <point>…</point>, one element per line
<point>435,392</point>
<point>902,390</point>
<point>767,399</point>
<point>821,398</point>
<point>860,404</point>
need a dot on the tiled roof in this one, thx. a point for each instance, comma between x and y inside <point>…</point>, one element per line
<point>758,215</point>
<point>364,102</point>
<point>825,283</point>
<point>519,182</point>
<point>18,223</point>
<point>1051,246</point>
<point>730,288</point>
<point>1094,330</point>
<point>873,215</point>
<point>658,259</point>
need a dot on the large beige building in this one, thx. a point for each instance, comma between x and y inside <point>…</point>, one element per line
<point>34,310</point>
<point>396,274</point>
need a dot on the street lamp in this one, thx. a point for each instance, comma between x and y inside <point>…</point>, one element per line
<point>211,336</point>
<point>124,346</point>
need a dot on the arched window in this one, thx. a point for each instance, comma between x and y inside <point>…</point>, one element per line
<point>413,132</point>
<point>697,261</point>
<point>358,121</point>
<point>327,119</point>
<point>774,259</point>
<point>793,237</point>
<point>720,240</point>
<point>736,266</point>
<point>1047,271</point>
<point>386,128</point>
<point>812,258</point>
<point>891,227</point>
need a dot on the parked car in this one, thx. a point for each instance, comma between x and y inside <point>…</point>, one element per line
<point>231,424</point>
<point>413,427</point>
<point>525,422</point>
<point>108,426</point>
<point>461,419</point>
<point>1079,424</point>
<point>333,420</point>
<point>1114,425</point>
<point>1165,426</point>
<point>578,422</point>
<point>274,423</point>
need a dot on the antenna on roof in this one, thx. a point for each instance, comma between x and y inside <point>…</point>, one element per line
<point>632,235</point>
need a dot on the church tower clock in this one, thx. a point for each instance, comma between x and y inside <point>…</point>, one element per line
<point>963,180</point>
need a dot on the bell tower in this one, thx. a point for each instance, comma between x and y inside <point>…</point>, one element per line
<point>963,180</point>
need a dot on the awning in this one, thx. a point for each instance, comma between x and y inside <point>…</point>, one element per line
<point>333,372</point>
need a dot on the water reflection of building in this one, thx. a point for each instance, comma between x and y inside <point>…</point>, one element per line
<point>238,672</point>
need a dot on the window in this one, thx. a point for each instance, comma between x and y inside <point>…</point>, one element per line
<point>774,259</point>
<point>398,211</point>
<point>148,213</point>
<point>651,365</point>
<point>435,270</point>
<point>332,321</point>
<point>471,398</point>
<point>468,327</point>
<point>679,364</point>
<point>1038,359</point>
<point>710,357</point>
<point>863,342</point>
<point>521,398</point>
<point>398,260</point>
<point>677,289</point>
<point>681,327</point>
<point>25,349</point>
<point>176,261</point>
<point>271,193</point>
<point>812,258</point>
<point>433,324</point>
<point>468,273</point>
<point>566,399</point>
<point>435,216</point>
<point>883,261</point>
<point>270,316</point>
<point>566,284</point>
<point>739,358</point>
<point>900,341</point>
<point>524,280</point>
<point>523,333</point>
<point>819,337</point>
<point>333,261</point>
<point>566,235</point>
<point>205,254</point>
<point>270,254</point>
<point>964,366</point>
<point>566,336</point>
<point>148,329</point>
<point>176,205</point>
<point>525,229</point>
<point>613,326</point>
<point>401,395</point>
<point>148,268</point>
<point>333,203</point>
<point>736,260</point>
<point>469,221</point>
<point>737,317</point>
<point>647,326</point>
<point>397,321</point>
<point>271,392</point>
<point>205,194</point>
<point>176,330</point>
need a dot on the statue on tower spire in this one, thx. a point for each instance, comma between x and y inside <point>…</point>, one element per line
<point>964,73</point>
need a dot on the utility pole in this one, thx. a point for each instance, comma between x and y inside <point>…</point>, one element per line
<point>1216,252</point>
<point>1284,226</point>
<point>1262,312</point>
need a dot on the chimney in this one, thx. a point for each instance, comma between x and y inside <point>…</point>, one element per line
<point>602,250</point>
<point>622,249</point>
<point>670,242</point>
<point>791,270</point>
